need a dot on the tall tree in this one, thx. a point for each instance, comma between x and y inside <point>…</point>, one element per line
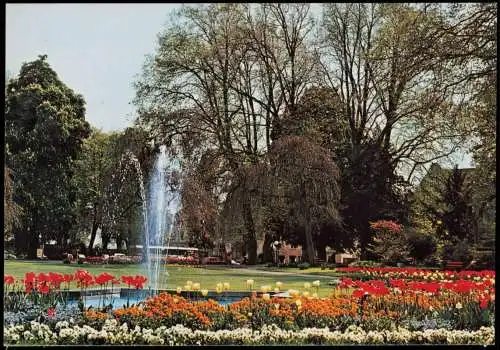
<point>457,217</point>
<point>45,126</point>
<point>303,175</point>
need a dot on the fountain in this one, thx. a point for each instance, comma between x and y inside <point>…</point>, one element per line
<point>162,202</point>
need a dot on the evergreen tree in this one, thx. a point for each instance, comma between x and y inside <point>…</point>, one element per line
<point>44,129</point>
<point>457,218</point>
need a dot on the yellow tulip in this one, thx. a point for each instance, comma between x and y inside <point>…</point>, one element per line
<point>179,290</point>
<point>279,284</point>
<point>276,290</point>
<point>226,286</point>
<point>187,287</point>
<point>316,283</point>
<point>266,296</point>
<point>264,289</point>
<point>204,292</point>
<point>306,294</point>
<point>315,295</point>
<point>276,306</point>
<point>249,283</point>
<point>196,286</point>
<point>298,302</point>
<point>307,285</point>
<point>218,290</point>
<point>189,283</point>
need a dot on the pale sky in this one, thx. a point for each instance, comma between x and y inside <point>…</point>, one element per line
<point>96,49</point>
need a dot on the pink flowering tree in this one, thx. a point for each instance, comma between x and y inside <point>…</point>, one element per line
<point>389,242</point>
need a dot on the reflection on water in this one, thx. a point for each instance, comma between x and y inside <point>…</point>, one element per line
<point>118,302</point>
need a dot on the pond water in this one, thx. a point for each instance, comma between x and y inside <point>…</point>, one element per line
<point>118,301</point>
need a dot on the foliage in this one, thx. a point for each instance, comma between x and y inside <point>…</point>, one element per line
<point>307,186</point>
<point>12,210</point>
<point>421,246</point>
<point>389,241</point>
<point>45,126</point>
<point>365,263</point>
<point>457,217</point>
<point>198,214</point>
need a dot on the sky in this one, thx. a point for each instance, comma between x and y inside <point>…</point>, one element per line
<point>96,49</point>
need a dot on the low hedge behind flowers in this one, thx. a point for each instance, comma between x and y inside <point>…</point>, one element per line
<point>113,332</point>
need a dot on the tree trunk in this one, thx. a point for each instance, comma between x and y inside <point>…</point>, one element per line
<point>252,251</point>
<point>310,256</point>
<point>93,235</point>
<point>119,244</point>
<point>321,251</point>
<point>33,241</point>
<point>251,235</point>
<point>267,251</point>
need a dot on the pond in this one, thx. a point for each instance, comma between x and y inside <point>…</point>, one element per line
<point>120,301</point>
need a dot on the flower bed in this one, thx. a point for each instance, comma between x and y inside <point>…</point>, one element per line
<point>417,274</point>
<point>410,308</point>
<point>113,332</point>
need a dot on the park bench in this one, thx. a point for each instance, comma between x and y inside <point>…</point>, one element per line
<point>454,265</point>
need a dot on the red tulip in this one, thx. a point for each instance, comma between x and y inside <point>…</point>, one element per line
<point>68,278</point>
<point>51,312</point>
<point>29,277</point>
<point>104,278</point>
<point>7,279</point>
<point>358,293</point>
<point>43,288</point>
<point>483,303</point>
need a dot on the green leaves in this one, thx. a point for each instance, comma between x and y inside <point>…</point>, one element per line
<point>45,124</point>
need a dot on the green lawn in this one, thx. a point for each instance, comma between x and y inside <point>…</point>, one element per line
<point>178,275</point>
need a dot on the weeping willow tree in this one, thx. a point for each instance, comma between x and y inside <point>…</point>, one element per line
<point>305,178</point>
